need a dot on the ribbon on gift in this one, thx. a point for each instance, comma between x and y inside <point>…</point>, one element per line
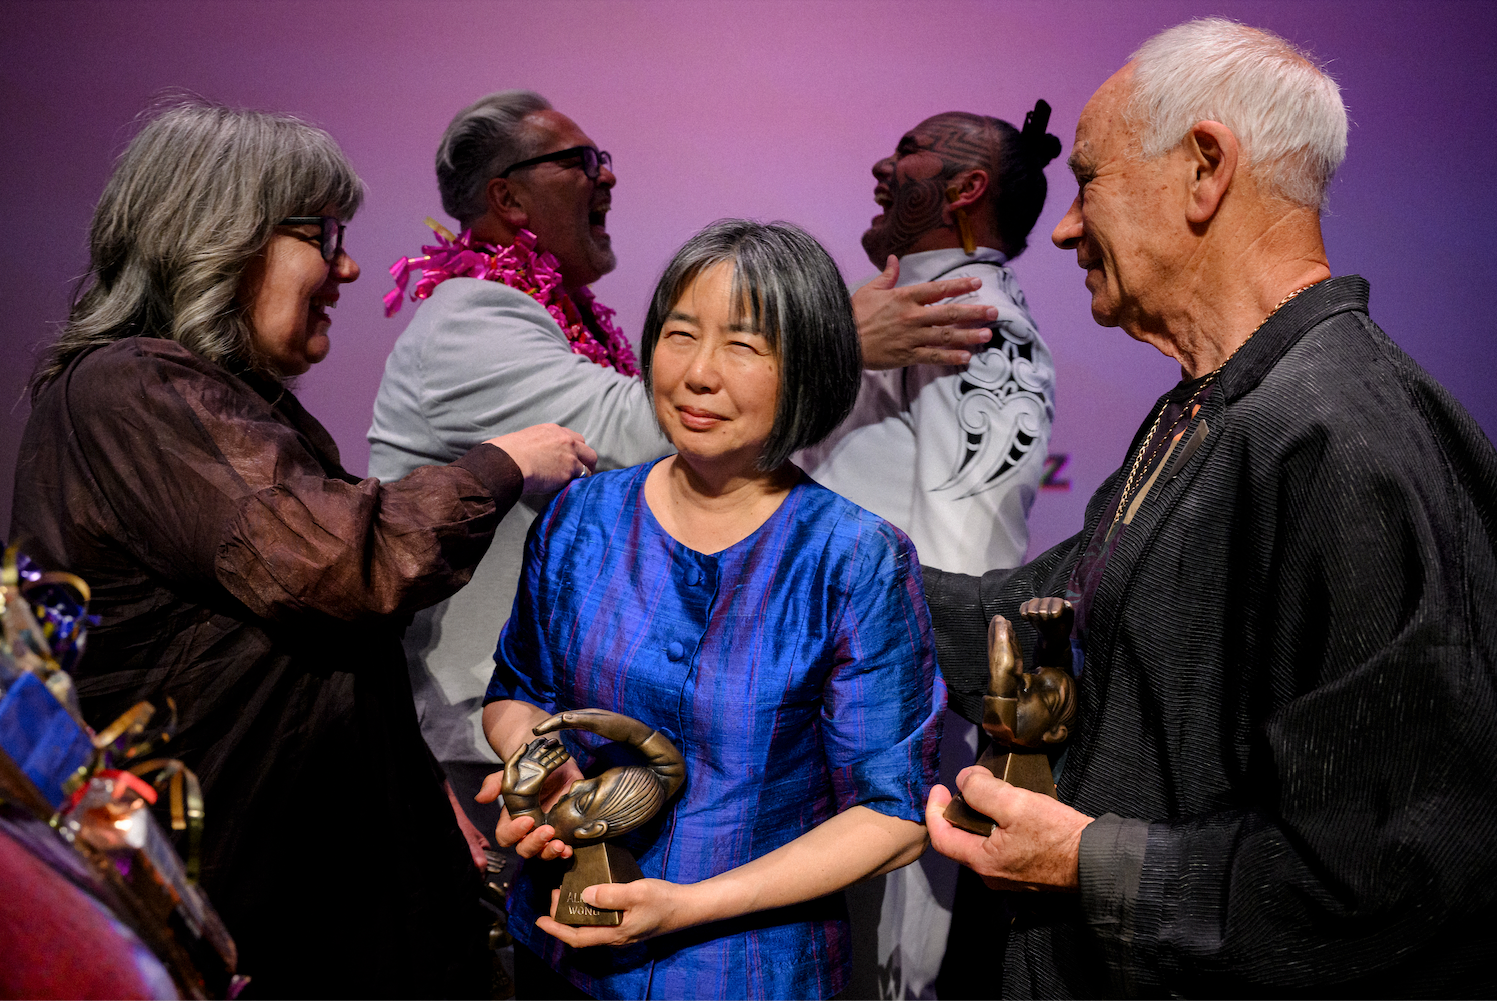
<point>186,803</point>
<point>28,632</point>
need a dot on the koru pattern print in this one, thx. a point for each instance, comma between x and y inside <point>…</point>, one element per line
<point>1002,404</point>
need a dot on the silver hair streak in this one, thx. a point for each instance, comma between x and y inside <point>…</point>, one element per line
<point>195,196</point>
<point>484,138</point>
<point>1283,108</point>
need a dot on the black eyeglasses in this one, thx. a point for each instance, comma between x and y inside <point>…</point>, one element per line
<point>331,238</point>
<point>591,160</point>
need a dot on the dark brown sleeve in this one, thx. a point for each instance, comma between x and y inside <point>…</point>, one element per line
<point>210,486</point>
<point>496,471</point>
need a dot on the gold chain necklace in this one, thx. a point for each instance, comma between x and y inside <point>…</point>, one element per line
<point>1152,447</point>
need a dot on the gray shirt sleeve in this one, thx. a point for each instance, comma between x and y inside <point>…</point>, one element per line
<point>481,359</point>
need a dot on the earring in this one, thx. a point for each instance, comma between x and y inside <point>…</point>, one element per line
<point>963,224</point>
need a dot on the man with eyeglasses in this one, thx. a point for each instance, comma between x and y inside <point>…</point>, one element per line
<point>481,356</point>
<point>513,171</point>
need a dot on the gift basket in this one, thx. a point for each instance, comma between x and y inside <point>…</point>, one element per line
<point>87,803</point>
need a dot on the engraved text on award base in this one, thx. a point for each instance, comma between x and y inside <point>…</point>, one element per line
<point>591,865</point>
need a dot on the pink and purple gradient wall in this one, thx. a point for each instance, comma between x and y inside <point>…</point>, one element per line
<point>765,109</point>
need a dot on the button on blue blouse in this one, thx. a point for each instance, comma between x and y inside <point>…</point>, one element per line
<point>796,672</point>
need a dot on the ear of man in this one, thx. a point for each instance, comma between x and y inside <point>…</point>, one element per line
<point>970,187</point>
<point>507,203</point>
<point>1211,153</point>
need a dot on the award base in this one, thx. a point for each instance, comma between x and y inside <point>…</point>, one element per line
<point>594,864</point>
<point>1025,769</point>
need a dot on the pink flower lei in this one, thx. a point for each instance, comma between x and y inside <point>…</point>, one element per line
<point>520,267</point>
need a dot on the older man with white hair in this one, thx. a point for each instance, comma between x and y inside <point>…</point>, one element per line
<point>1283,777</point>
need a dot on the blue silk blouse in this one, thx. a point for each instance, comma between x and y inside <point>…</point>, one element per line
<point>796,672</point>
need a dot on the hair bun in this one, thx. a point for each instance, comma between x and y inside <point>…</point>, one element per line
<point>1038,146</point>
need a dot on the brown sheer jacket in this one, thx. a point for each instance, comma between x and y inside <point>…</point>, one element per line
<point>237,568</point>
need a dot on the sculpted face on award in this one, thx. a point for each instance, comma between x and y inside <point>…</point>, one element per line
<point>595,809</point>
<point>1024,712</point>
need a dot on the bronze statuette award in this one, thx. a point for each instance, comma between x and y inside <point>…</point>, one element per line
<point>596,809</point>
<point>1023,712</point>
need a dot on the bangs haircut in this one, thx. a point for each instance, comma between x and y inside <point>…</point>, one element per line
<point>194,197</point>
<point>788,289</point>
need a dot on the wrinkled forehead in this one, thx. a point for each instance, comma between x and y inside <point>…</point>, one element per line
<point>1104,130</point>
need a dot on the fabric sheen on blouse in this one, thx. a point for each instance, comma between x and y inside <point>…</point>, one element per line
<point>238,569</point>
<point>796,672</point>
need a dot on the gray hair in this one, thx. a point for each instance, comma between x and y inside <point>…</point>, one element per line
<point>485,138</point>
<point>195,196</point>
<point>789,290</point>
<point>1282,107</point>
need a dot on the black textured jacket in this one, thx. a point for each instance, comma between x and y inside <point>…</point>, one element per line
<point>1288,691</point>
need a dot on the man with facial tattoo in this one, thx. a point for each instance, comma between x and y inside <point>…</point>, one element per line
<point>951,454</point>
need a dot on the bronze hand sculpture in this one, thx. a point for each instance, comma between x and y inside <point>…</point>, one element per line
<point>605,806</point>
<point>1024,712</point>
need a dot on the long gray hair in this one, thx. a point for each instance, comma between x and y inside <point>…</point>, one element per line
<point>193,199</point>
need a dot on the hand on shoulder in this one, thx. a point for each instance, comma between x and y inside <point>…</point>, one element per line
<point>549,456</point>
<point>899,326</point>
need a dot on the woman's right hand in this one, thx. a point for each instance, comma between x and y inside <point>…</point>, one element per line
<point>549,456</point>
<point>521,833</point>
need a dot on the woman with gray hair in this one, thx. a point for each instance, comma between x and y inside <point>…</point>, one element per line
<point>772,630</point>
<point>238,570</point>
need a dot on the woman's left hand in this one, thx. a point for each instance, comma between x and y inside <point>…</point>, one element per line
<point>651,907</point>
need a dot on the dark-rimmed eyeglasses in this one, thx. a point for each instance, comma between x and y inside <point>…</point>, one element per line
<point>591,160</point>
<point>330,240</point>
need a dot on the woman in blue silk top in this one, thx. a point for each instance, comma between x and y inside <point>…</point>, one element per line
<point>773,630</point>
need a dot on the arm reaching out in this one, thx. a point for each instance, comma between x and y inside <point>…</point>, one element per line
<point>476,841</point>
<point>549,456</point>
<point>898,327</point>
<point>852,846</point>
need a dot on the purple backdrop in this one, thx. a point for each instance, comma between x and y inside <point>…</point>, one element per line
<point>764,109</point>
